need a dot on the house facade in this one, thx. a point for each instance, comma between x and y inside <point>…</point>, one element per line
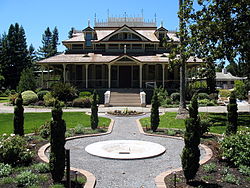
<point>124,52</point>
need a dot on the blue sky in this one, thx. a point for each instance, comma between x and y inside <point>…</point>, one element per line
<point>36,15</point>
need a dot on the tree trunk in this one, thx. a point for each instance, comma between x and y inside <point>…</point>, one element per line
<point>182,111</point>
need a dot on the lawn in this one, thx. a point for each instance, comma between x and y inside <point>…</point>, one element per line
<point>32,121</point>
<point>4,99</point>
<point>168,121</point>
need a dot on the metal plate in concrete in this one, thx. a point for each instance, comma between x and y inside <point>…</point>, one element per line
<point>125,149</point>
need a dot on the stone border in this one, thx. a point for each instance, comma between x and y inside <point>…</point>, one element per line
<point>91,180</point>
<point>159,180</point>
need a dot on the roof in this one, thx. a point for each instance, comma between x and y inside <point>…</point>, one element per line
<point>78,37</point>
<point>103,33</point>
<point>99,58</point>
<point>220,76</point>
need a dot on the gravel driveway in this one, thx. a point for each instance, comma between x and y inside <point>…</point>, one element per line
<point>111,173</point>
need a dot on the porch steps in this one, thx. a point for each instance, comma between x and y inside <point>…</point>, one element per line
<point>125,98</point>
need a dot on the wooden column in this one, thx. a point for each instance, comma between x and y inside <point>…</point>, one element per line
<point>141,65</point>
<point>163,75</point>
<point>64,73</point>
<point>48,78</point>
<point>109,76</point>
<point>86,78</point>
<point>42,76</point>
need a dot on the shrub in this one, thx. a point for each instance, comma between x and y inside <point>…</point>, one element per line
<point>224,93</point>
<point>204,126</point>
<point>232,115</point>
<point>175,97</point>
<point>167,101</point>
<point>206,102</point>
<point>191,152</point>
<point>5,170</point>
<point>27,178</point>
<point>39,103</point>
<point>83,102</point>
<point>213,96</point>
<point>210,168</point>
<point>240,89</point>
<point>18,116</point>
<point>14,150</point>
<point>203,96</point>
<point>44,130</point>
<point>235,148</point>
<point>57,142</point>
<point>29,97</point>
<point>162,94</point>
<point>79,129</point>
<point>154,117</point>
<point>27,80</point>
<point>41,94</point>
<point>245,170</point>
<point>94,112</point>
<point>49,100</point>
<point>63,92</point>
<point>230,178</point>
<point>12,98</point>
<point>85,94</point>
<point>41,167</point>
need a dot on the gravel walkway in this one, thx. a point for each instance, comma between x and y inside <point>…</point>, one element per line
<point>111,173</point>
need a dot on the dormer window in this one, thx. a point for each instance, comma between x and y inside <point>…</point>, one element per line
<point>88,40</point>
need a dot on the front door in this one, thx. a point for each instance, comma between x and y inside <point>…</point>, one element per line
<point>125,76</point>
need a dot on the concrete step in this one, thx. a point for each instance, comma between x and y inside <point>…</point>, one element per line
<point>125,98</point>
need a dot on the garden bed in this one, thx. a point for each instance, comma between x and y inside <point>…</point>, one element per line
<point>213,174</point>
<point>121,113</point>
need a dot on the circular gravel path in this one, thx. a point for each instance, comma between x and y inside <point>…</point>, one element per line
<point>125,173</point>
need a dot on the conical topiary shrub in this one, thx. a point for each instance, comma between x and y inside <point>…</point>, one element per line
<point>57,142</point>
<point>232,115</point>
<point>155,119</point>
<point>18,116</point>
<point>191,152</point>
<point>94,112</point>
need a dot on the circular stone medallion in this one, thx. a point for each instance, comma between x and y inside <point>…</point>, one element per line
<point>125,149</point>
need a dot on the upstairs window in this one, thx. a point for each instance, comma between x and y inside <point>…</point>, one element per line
<point>88,40</point>
<point>77,46</point>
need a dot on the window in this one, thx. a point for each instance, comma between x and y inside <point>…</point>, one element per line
<point>77,46</point>
<point>88,40</point>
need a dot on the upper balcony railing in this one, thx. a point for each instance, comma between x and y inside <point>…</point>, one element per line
<point>129,21</point>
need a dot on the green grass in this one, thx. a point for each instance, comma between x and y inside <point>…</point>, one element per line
<point>32,121</point>
<point>168,121</point>
<point>4,99</point>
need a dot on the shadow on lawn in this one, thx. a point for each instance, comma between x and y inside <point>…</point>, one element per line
<point>220,119</point>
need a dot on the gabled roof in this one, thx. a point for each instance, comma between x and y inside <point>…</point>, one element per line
<point>125,57</point>
<point>88,29</point>
<point>129,29</point>
<point>79,37</point>
<point>162,29</point>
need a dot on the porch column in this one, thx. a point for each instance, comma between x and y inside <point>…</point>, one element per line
<point>109,76</point>
<point>64,73</point>
<point>86,73</point>
<point>163,75</point>
<point>42,76</point>
<point>141,75</point>
<point>48,80</point>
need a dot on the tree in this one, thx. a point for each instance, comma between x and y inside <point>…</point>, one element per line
<point>27,80</point>
<point>14,55</point>
<point>18,116</point>
<point>54,41</point>
<point>232,115</point>
<point>191,152</point>
<point>155,119</point>
<point>221,32</point>
<point>71,32</point>
<point>94,112</point>
<point>57,142</point>
<point>180,54</point>
<point>50,42</point>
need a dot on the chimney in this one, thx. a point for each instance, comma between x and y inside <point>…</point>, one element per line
<point>224,71</point>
